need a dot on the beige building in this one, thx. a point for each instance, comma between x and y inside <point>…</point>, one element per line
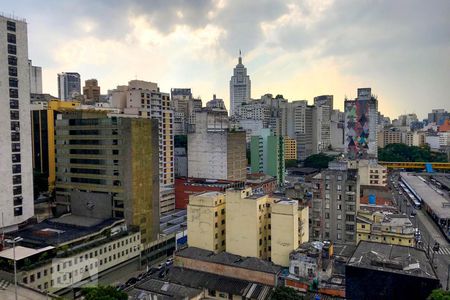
<point>415,138</point>
<point>206,221</point>
<point>144,99</point>
<point>389,136</point>
<point>387,229</point>
<point>91,91</point>
<point>290,148</point>
<point>246,224</point>
<point>371,173</point>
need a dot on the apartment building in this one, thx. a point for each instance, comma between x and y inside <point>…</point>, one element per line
<point>290,148</point>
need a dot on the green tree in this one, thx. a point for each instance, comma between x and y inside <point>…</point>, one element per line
<point>439,294</point>
<point>290,163</point>
<point>285,293</point>
<point>104,293</point>
<point>318,161</point>
<point>402,152</point>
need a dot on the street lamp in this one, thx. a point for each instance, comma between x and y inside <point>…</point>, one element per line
<point>13,242</point>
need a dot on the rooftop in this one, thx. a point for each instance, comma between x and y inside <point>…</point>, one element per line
<point>438,204</point>
<point>173,221</point>
<point>392,258</point>
<point>225,258</point>
<point>22,252</point>
<point>198,279</point>
<point>64,229</point>
<point>155,286</point>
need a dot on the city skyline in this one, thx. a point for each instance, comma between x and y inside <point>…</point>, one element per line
<point>298,49</point>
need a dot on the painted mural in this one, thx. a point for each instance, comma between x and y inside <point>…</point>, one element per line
<point>357,129</point>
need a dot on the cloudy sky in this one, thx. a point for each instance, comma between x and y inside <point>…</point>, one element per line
<point>300,49</point>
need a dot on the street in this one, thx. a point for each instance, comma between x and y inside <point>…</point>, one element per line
<point>430,232</point>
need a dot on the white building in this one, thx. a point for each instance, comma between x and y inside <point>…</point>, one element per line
<point>240,87</point>
<point>16,186</point>
<point>145,100</point>
<point>69,85</point>
<point>35,79</point>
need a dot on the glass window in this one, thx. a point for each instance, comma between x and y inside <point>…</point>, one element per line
<point>11,38</point>
<point>12,49</point>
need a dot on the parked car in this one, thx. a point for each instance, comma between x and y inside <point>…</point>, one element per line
<point>141,276</point>
<point>162,273</point>
<point>169,262</point>
<point>160,266</point>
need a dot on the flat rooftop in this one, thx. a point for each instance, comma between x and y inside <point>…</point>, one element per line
<point>52,232</point>
<point>225,258</point>
<point>168,289</point>
<point>392,258</point>
<point>438,204</point>
<point>22,252</point>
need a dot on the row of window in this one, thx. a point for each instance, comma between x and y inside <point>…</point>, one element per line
<point>14,116</point>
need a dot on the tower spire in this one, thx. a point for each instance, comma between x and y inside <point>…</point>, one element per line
<point>240,56</point>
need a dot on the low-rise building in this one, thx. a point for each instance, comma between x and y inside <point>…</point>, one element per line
<point>371,173</point>
<point>261,183</point>
<point>383,271</point>
<point>385,228</point>
<point>58,253</point>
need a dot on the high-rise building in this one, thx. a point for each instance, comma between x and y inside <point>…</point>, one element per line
<point>35,79</point>
<point>145,100</point>
<point>335,203</point>
<point>337,130</point>
<point>361,119</point>
<point>216,104</point>
<point>323,107</point>
<point>184,107</point>
<point>91,91</point>
<point>290,148</point>
<point>69,86</point>
<point>267,155</point>
<point>16,186</point>
<point>107,167</point>
<point>215,152</point>
<point>240,86</point>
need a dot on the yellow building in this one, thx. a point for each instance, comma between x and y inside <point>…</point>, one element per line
<point>386,229</point>
<point>43,132</point>
<point>303,224</point>
<point>248,223</point>
<point>206,221</point>
<point>290,148</point>
<point>284,219</point>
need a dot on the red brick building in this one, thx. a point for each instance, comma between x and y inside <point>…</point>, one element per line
<point>188,186</point>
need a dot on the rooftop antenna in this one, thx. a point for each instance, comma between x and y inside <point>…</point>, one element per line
<point>240,56</point>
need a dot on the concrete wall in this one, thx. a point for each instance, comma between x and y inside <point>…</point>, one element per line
<point>94,205</point>
<point>284,231</point>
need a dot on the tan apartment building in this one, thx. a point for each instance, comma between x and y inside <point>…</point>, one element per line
<point>290,148</point>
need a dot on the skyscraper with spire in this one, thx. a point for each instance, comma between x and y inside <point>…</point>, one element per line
<point>240,86</point>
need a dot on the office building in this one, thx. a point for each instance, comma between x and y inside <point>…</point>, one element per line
<point>184,107</point>
<point>335,203</point>
<point>35,79</point>
<point>323,107</point>
<point>106,167</point>
<point>337,130</point>
<point>216,104</point>
<point>144,100</point>
<point>240,86</point>
<point>382,271</point>
<point>69,86</point>
<point>290,148</point>
<point>267,155</point>
<point>384,228</point>
<point>215,152</point>
<point>206,221</point>
<point>438,116</point>
<point>43,116</point>
<point>361,119</point>
<point>91,91</point>
<point>16,197</point>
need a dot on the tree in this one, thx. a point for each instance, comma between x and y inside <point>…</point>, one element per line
<point>402,152</point>
<point>318,161</point>
<point>290,163</point>
<point>439,294</point>
<point>104,293</point>
<point>285,293</point>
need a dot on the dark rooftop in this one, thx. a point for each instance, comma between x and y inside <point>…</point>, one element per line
<point>198,279</point>
<point>392,258</point>
<point>164,288</point>
<point>58,231</point>
<point>225,258</point>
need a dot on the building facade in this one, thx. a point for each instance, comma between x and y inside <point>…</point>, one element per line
<point>267,155</point>
<point>215,152</point>
<point>35,79</point>
<point>69,86</point>
<point>107,167</point>
<point>361,119</point>
<point>240,87</point>
<point>290,148</point>
<point>16,188</point>
<point>91,91</point>
<point>143,99</point>
<point>336,193</point>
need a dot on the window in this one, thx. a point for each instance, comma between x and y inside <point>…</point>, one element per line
<point>12,60</point>
<point>17,190</point>
<point>11,38</point>
<point>12,49</point>
<point>14,114</point>
<point>17,200</point>
<point>15,137</point>
<point>14,104</point>
<point>14,93</point>
<point>25,280</point>
<point>12,71</point>
<point>11,26</point>
<point>15,147</point>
